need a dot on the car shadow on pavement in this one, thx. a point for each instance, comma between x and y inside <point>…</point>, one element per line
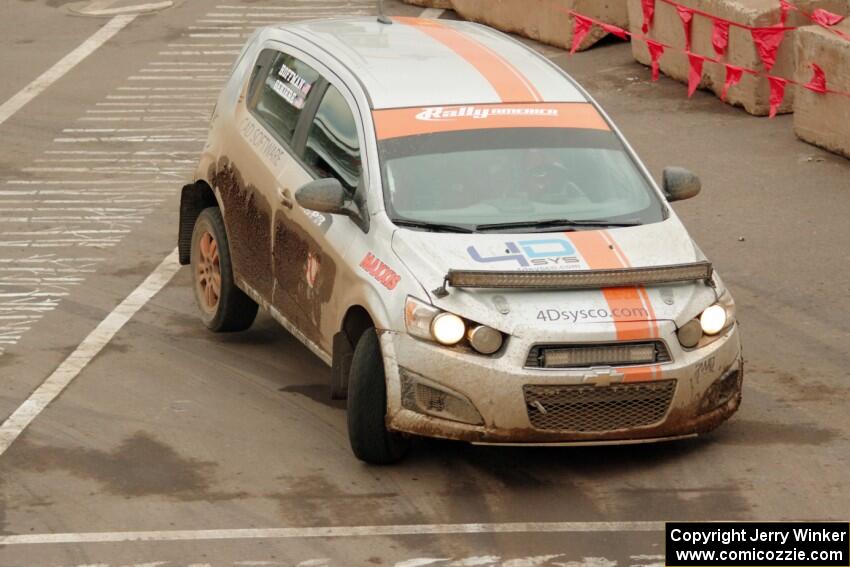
<point>580,459</point>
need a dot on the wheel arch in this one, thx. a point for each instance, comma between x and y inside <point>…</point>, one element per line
<point>194,198</point>
<point>356,321</point>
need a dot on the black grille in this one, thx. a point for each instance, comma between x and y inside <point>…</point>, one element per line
<point>585,408</point>
<point>537,352</point>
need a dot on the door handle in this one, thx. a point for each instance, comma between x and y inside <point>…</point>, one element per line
<point>285,198</point>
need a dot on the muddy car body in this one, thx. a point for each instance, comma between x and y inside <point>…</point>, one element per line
<point>456,228</point>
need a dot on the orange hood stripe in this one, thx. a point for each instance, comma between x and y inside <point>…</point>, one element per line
<point>399,122</point>
<point>507,81</point>
<point>601,252</point>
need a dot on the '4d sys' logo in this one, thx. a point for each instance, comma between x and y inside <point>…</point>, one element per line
<point>547,252</point>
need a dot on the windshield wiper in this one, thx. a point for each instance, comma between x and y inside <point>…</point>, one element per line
<point>553,223</point>
<point>435,227</point>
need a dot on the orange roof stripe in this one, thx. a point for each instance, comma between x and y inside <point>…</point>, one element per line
<point>507,81</point>
<point>400,122</point>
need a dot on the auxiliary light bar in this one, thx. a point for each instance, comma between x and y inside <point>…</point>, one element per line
<point>578,279</point>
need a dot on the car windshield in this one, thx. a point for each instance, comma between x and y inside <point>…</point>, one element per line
<point>500,176</point>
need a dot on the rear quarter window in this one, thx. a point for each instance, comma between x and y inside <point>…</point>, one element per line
<point>278,92</point>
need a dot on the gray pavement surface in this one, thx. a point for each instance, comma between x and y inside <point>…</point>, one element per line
<point>173,428</point>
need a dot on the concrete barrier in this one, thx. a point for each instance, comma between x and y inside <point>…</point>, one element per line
<point>823,120</point>
<point>544,20</point>
<point>752,93</point>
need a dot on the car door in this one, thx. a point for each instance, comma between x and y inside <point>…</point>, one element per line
<point>309,246</point>
<point>255,170</point>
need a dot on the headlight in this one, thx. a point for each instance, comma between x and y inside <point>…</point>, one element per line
<point>427,322</point>
<point>417,318</point>
<point>485,340</point>
<point>448,328</point>
<point>713,319</point>
<point>704,329</point>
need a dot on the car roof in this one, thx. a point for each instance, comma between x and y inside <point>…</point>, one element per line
<point>416,62</point>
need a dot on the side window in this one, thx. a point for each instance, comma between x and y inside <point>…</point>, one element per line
<point>279,98</point>
<point>332,147</point>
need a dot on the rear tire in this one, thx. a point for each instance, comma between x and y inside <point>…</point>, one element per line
<point>370,439</point>
<point>223,306</point>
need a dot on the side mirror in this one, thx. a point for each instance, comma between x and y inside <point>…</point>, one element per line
<point>323,195</point>
<point>680,184</point>
<point>328,196</point>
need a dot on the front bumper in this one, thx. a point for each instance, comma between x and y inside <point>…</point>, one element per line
<point>494,387</point>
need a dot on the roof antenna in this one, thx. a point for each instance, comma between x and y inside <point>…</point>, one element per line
<point>381,17</point>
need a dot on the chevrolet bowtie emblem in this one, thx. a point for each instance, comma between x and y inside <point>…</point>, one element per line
<point>603,377</point>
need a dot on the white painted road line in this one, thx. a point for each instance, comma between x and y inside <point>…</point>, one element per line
<point>334,531</point>
<point>83,354</point>
<point>64,65</point>
<point>126,9</point>
<point>432,13</point>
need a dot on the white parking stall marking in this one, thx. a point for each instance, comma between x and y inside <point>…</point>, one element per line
<point>81,194</point>
<point>217,52</point>
<point>131,139</point>
<point>194,78</point>
<point>432,13</point>
<point>32,90</point>
<point>554,560</point>
<point>646,561</point>
<point>221,45</point>
<point>85,181</point>
<point>88,349</point>
<point>322,531</point>
<point>22,279</point>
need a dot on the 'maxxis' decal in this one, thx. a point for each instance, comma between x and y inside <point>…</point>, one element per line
<point>380,271</point>
<point>400,122</point>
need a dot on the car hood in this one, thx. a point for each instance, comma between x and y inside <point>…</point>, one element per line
<point>430,255</point>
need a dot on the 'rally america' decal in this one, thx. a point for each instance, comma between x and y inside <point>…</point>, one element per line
<point>454,112</point>
<point>380,271</point>
<point>400,122</point>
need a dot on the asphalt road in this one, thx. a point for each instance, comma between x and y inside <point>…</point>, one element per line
<point>171,432</point>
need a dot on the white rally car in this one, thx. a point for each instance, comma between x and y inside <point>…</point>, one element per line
<point>453,225</point>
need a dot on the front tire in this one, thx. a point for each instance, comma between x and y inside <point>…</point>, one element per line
<point>223,306</point>
<point>370,439</point>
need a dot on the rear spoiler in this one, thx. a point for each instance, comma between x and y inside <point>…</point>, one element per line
<point>577,279</point>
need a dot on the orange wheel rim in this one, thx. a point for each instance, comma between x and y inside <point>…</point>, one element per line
<point>208,271</point>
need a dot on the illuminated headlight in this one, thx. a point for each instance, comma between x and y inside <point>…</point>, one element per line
<point>448,328</point>
<point>427,322</point>
<point>713,320</point>
<point>710,324</point>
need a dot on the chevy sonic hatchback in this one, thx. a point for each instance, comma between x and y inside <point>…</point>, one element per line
<point>458,230</point>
